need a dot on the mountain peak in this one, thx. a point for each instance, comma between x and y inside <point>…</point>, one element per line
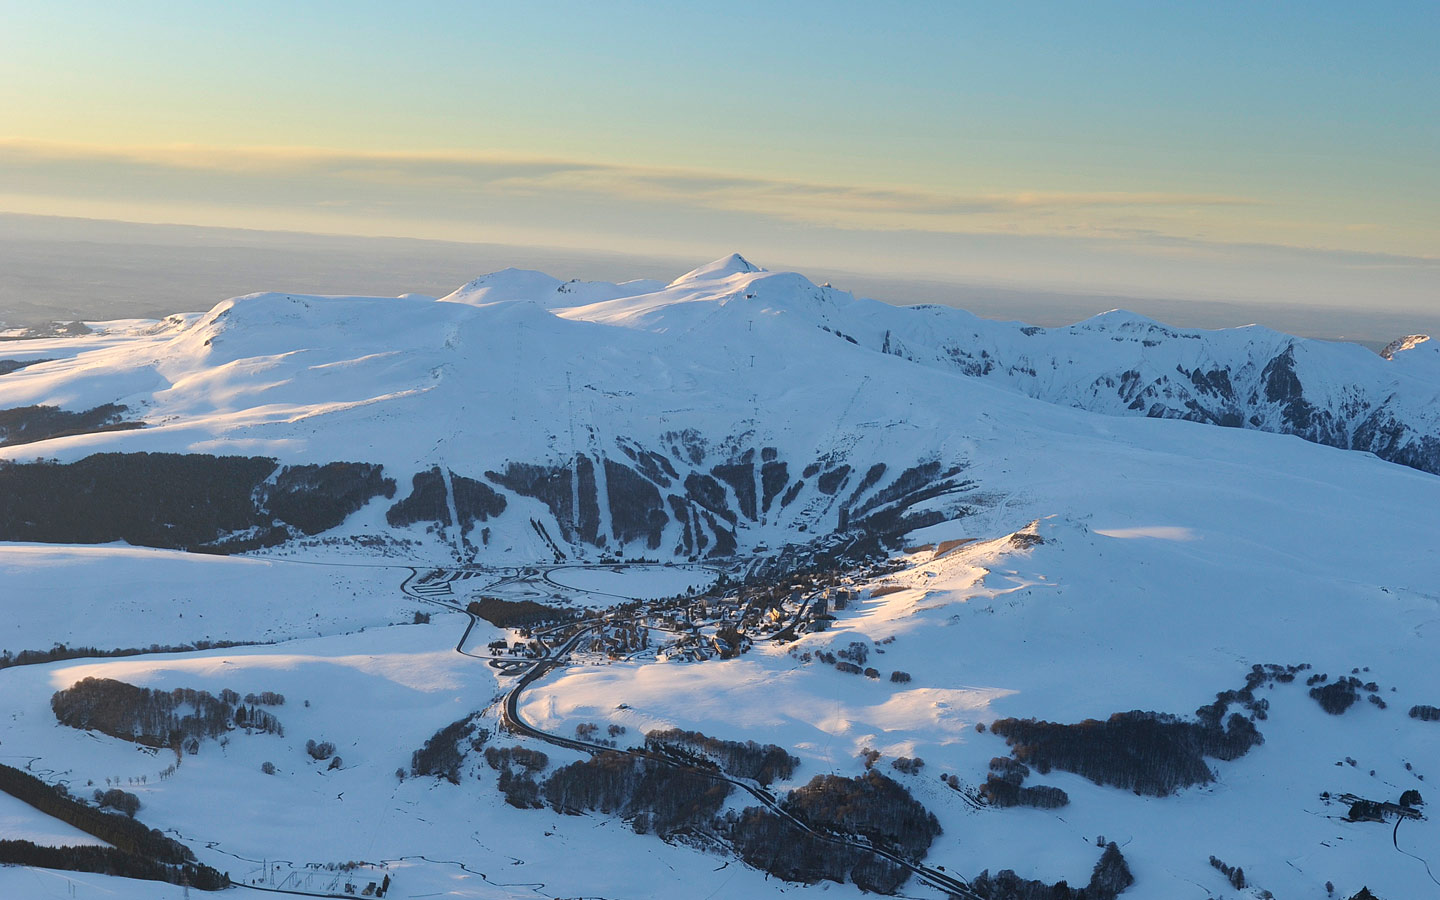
<point>506,284</point>
<point>722,268</point>
<point>1400,345</point>
<point>1120,319</point>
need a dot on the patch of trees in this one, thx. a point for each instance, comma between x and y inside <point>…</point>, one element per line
<point>588,527</point>
<point>1338,695</point>
<point>156,718</point>
<point>833,480</point>
<point>517,767</point>
<point>1004,787</point>
<point>1110,877</point>
<point>548,484</point>
<point>110,861</point>
<point>655,796</point>
<point>907,765</point>
<point>517,613</point>
<point>774,476</point>
<point>551,485</point>
<point>124,833</point>
<point>118,800</point>
<point>693,537</point>
<point>858,652</point>
<point>870,805</point>
<point>475,501</point>
<point>763,763</point>
<point>316,498</point>
<point>591,732</point>
<point>12,365</point>
<point>724,539</point>
<point>319,751</point>
<point>899,677</point>
<point>1425,713</point>
<point>1212,714</point>
<point>178,501</point>
<point>525,758</point>
<point>652,465</point>
<point>1148,752</point>
<point>740,475</point>
<point>169,500</point>
<point>707,493</point>
<point>792,493</point>
<point>911,480</point>
<point>635,508</point>
<point>775,845</point>
<point>686,444</point>
<point>29,424</point>
<point>1233,874</point>
<point>687,534</point>
<point>443,753</point>
<point>872,478</point>
<point>887,513</point>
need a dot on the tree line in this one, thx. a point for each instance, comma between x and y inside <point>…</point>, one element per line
<point>762,763</point>
<point>61,652</point>
<point>110,861</point>
<point>135,851</point>
<point>1110,877</point>
<point>180,501</point>
<point>1148,752</point>
<point>442,755</point>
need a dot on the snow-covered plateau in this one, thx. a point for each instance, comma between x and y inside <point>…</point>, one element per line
<point>728,587</point>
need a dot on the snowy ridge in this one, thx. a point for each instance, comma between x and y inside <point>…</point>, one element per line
<point>730,409</point>
<point>1117,363</point>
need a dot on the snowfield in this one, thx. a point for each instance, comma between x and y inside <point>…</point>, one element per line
<point>22,822</point>
<point>1069,558</point>
<point>129,597</point>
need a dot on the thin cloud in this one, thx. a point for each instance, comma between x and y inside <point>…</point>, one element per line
<point>831,205</point>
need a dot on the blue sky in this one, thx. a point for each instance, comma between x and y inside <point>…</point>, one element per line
<point>1224,149</point>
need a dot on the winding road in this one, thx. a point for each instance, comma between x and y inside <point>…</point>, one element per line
<point>558,656</point>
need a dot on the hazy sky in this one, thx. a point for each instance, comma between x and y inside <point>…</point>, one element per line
<point>1287,152</point>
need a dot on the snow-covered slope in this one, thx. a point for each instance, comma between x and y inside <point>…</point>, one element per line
<point>1073,552</point>
<point>1117,363</point>
<point>549,292</point>
<point>730,409</point>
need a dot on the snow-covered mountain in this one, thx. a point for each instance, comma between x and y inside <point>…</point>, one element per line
<point>1095,631</point>
<point>731,409</point>
<point>1117,363</point>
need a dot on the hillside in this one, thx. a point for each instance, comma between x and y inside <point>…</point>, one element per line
<point>727,587</point>
<point>522,416</point>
